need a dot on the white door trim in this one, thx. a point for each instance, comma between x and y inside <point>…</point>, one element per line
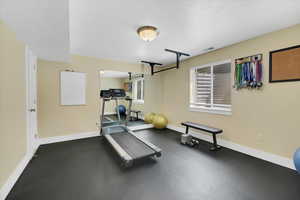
<point>32,144</point>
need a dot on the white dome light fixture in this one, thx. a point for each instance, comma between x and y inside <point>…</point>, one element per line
<point>147,33</point>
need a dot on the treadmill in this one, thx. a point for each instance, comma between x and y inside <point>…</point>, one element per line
<point>128,145</point>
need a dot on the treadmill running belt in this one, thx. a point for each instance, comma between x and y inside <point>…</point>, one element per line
<point>133,146</point>
<point>105,119</point>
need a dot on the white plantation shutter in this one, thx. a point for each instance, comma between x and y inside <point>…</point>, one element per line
<point>211,86</point>
<point>138,89</point>
<point>203,84</point>
<point>222,85</point>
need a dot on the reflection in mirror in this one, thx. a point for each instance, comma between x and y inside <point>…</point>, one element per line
<point>133,84</point>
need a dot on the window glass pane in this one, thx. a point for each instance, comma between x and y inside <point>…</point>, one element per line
<point>139,90</point>
<point>203,87</point>
<point>222,84</point>
<point>143,89</point>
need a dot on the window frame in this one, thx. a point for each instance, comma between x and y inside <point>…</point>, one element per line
<point>223,109</point>
<point>134,91</point>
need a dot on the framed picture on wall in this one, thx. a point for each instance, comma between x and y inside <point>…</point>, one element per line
<point>285,65</point>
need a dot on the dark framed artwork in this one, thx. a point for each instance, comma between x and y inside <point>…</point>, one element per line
<point>285,65</point>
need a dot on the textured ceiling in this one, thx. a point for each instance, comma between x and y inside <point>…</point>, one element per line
<point>42,25</point>
<point>107,29</point>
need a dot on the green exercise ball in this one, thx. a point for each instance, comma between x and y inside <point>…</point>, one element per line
<point>160,121</point>
<point>149,117</point>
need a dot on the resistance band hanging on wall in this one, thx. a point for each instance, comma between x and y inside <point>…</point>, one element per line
<point>248,72</point>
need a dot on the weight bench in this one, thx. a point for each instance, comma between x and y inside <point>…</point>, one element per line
<point>136,113</point>
<point>213,131</point>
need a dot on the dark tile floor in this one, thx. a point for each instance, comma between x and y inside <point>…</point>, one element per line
<point>89,169</point>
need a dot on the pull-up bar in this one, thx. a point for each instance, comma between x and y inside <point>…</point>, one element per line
<point>178,55</point>
<point>130,76</point>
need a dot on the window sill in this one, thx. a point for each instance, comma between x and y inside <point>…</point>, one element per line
<point>209,110</point>
<point>138,101</point>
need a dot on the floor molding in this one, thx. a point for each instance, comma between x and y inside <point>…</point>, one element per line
<point>279,160</point>
<point>67,137</point>
<point>110,113</point>
<point>141,127</point>
<point>78,136</point>
<point>13,178</point>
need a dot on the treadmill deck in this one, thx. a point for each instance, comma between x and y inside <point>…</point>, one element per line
<point>133,146</point>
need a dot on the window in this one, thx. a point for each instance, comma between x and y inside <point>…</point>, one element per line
<point>138,91</point>
<point>210,88</point>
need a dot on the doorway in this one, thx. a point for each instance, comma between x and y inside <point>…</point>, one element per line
<point>133,85</point>
<point>31,101</point>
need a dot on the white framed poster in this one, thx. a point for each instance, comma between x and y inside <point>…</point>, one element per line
<point>72,88</point>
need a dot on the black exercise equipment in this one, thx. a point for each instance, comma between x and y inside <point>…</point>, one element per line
<point>129,146</point>
<point>213,131</point>
<point>136,114</point>
<point>105,93</point>
<point>134,76</point>
<point>153,64</point>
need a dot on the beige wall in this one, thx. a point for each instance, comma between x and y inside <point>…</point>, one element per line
<point>107,83</point>
<point>57,120</point>
<point>267,120</point>
<point>152,94</point>
<point>12,102</point>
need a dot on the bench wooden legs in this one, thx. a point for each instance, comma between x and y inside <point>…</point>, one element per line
<point>215,146</point>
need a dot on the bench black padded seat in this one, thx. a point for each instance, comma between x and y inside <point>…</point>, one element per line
<point>202,127</point>
<point>213,131</point>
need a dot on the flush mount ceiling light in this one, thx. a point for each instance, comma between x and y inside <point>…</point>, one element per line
<point>147,33</point>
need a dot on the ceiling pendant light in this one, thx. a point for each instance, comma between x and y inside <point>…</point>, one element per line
<point>147,33</point>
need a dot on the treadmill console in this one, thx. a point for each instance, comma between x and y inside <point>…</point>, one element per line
<point>105,94</point>
<point>117,93</point>
<point>112,93</point>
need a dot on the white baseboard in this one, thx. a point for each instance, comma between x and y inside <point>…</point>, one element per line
<point>68,137</point>
<point>4,191</point>
<point>141,127</point>
<point>279,160</point>
<point>6,188</point>
<point>110,113</point>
